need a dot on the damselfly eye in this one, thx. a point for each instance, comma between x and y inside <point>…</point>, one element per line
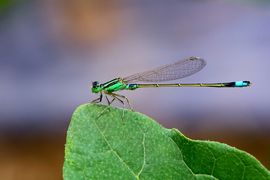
<point>95,84</point>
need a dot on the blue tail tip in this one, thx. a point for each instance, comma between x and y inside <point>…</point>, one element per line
<point>242,83</point>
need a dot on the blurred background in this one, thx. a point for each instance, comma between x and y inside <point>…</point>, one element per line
<point>52,50</point>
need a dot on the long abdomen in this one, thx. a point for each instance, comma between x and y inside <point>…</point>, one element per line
<point>217,85</point>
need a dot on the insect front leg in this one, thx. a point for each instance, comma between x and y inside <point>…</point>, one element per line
<point>98,100</point>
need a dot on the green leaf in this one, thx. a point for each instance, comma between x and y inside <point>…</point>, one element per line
<point>105,142</point>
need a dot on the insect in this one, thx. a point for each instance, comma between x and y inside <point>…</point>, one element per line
<point>177,70</point>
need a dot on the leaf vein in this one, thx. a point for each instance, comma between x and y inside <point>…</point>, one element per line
<point>183,157</point>
<point>116,154</point>
<point>144,158</point>
<point>214,165</point>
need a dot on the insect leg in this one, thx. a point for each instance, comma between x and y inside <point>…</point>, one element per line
<point>120,100</point>
<point>98,100</point>
<point>101,95</point>
<point>109,102</point>
<point>122,96</point>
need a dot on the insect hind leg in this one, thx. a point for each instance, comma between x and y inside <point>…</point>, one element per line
<point>122,96</point>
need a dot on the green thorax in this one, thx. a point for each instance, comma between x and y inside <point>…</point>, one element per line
<point>116,84</point>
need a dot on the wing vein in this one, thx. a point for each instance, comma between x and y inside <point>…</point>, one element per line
<point>177,70</point>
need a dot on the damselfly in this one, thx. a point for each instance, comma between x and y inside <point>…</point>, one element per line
<point>177,70</point>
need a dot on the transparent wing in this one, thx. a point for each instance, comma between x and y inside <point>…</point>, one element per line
<point>177,70</point>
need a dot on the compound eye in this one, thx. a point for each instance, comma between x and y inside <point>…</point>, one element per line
<point>95,84</point>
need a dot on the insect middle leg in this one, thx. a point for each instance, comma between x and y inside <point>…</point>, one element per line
<point>108,101</point>
<point>117,98</point>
